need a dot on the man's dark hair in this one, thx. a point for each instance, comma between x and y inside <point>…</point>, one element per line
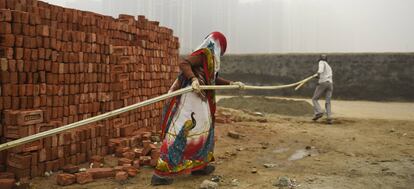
<point>323,57</point>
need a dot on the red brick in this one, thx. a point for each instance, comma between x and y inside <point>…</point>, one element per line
<point>5,77</point>
<point>155,154</point>
<point>95,165</point>
<point>138,152</point>
<point>27,54</point>
<point>12,65</point>
<point>5,28</point>
<point>42,53</point>
<point>6,102</point>
<point>49,166</point>
<point>119,68</point>
<point>136,164</point>
<point>118,122</point>
<point>97,159</point>
<point>18,41</point>
<point>24,182</point>
<point>145,160</point>
<point>25,29</point>
<point>20,173</point>
<point>123,161</point>
<point>25,17</point>
<point>118,168</point>
<point>6,90</point>
<point>65,179</point>
<point>129,155</point>
<point>18,53</point>
<point>132,171</point>
<point>41,169</point>
<point>7,52</point>
<point>15,102</point>
<point>120,150</point>
<point>32,146</point>
<point>29,117</point>
<point>34,171</point>
<point>35,55</point>
<point>34,19</point>
<point>83,178</point>
<point>6,175</point>
<point>10,117</point>
<point>127,130</point>
<point>121,176</point>
<point>45,154</point>
<point>70,169</point>
<point>42,30</point>
<point>47,142</point>
<point>98,173</point>
<point>17,16</point>
<point>23,102</point>
<point>146,145</point>
<point>7,183</point>
<point>7,40</point>
<point>5,15</point>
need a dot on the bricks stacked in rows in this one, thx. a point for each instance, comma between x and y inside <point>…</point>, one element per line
<point>61,65</point>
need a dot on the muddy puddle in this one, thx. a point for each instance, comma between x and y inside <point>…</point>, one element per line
<point>302,153</point>
<point>297,154</point>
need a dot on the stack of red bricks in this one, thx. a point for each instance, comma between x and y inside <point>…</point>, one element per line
<point>61,65</point>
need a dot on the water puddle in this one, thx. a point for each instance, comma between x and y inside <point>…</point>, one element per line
<point>302,153</point>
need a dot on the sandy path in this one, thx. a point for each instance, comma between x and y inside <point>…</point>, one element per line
<point>365,109</point>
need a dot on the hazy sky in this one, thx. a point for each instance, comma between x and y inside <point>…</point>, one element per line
<point>266,26</point>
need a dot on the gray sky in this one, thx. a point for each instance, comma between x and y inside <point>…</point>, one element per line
<point>267,26</point>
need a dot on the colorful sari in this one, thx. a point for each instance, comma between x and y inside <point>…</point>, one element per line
<point>188,123</point>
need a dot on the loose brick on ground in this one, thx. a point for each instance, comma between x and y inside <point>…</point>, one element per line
<point>98,173</point>
<point>123,161</point>
<point>132,171</point>
<point>6,175</point>
<point>7,183</point>
<point>65,179</point>
<point>97,159</point>
<point>129,155</point>
<point>72,169</point>
<point>84,177</point>
<point>121,176</point>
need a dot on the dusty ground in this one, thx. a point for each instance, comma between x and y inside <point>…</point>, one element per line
<point>268,105</point>
<point>362,109</point>
<point>351,153</point>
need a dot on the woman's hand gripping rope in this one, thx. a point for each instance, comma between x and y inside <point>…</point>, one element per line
<point>195,84</point>
<point>239,83</point>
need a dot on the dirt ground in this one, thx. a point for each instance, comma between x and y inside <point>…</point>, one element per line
<point>351,153</point>
<point>268,105</point>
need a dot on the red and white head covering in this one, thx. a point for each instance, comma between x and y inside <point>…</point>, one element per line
<point>217,44</point>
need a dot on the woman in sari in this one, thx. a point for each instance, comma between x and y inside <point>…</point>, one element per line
<point>188,120</point>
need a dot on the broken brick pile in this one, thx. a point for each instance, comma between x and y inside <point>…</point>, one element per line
<point>61,65</point>
<point>129,162</point>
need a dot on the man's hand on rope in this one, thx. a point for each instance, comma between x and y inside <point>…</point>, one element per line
<point>239,83</point>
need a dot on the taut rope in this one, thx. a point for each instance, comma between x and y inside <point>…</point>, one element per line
<point>51,132</point>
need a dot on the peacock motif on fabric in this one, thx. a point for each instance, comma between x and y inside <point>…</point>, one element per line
<point>176,150</point>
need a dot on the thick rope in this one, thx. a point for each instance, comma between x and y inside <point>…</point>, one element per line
<point>61,129</point>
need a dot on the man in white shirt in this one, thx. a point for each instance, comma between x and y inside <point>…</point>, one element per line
<point>324,87</point>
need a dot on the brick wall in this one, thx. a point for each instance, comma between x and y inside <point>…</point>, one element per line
<point>60,65</point>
